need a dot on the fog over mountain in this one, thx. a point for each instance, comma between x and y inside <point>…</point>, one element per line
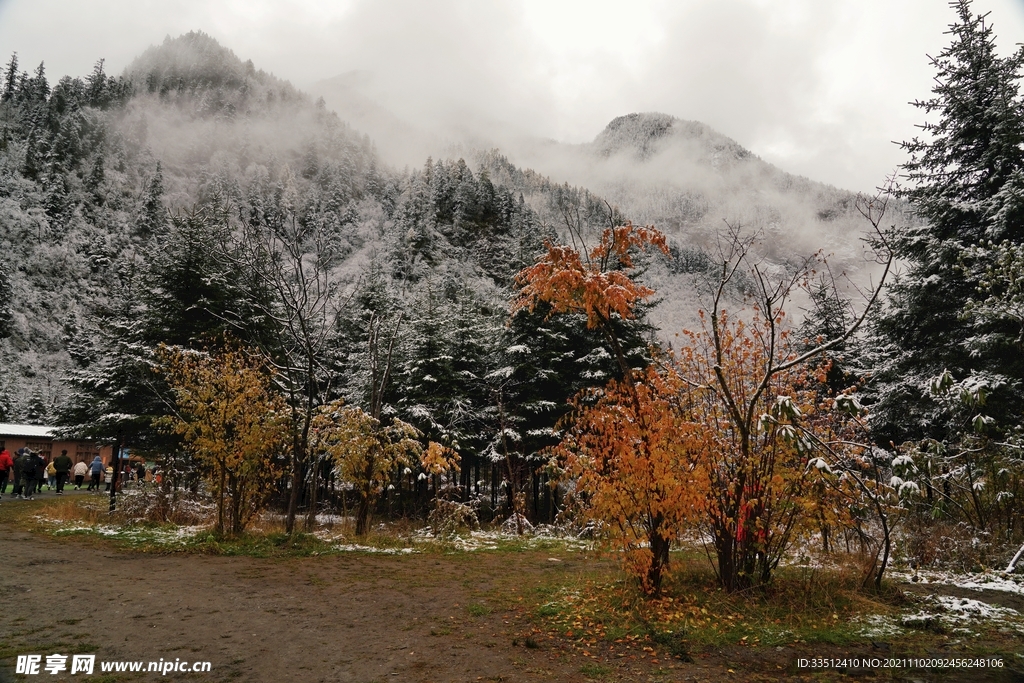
<point>90,196</point>
<point>819,89</point>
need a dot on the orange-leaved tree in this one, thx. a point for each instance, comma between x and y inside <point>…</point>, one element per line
<point>758,399</point>
<point>620,445</point>
<point>234,424</point>
<point>748,435</point>
<point>626,447</point>
<point>596,283</point>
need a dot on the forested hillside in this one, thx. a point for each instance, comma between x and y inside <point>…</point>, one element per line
<point>793,415</point>
<point>475,314</point>
<point>132,207</point>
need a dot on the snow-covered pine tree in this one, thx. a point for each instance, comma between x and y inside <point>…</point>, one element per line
<point>6,301</point>
<point>111,386</point>
<point>960,181</point>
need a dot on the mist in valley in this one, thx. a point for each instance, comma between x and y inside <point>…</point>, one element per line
<point>438,146</point>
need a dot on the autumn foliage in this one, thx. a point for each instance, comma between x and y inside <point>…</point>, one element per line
<point>365,450</point>
<point>715,439</point>
<point>596,283</point>
<point>626,449</point>
<point>233,424</point>
<point>749,429</point>
<point>621,443</point>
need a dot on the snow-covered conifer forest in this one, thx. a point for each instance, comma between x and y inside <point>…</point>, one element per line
<point>797,364</point>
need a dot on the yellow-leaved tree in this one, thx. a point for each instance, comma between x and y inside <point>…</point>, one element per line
<point>234,424</point>
<point>365,450</point>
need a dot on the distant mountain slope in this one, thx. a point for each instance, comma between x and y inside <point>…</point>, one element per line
<point>682,176</point>
<point>688,180</point>
<point>644,134</point>
<point>90,168</point>
<point>92,172</point>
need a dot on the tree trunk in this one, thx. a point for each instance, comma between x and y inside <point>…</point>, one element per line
<point>311,513</point>
<point>220,501</point>
<point>237,498</point>
<point>886,549</point>
<point>659,557</point>
<point>363,514</point>
<point>293,497</point>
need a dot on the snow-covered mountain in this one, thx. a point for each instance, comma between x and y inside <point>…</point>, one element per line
<point>90,168</point>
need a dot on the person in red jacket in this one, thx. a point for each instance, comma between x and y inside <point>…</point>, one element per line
<point>6,465</point>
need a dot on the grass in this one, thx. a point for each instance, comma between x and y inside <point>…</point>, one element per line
<point>801,608</point>
<point>88,516</point>
<point>478,610</point>
<point>595,670</point>
<point>590,604</point>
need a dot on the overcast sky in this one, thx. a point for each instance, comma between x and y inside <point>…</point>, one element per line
<point>818,87</point>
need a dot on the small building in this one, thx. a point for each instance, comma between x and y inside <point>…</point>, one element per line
<point>41,439</point>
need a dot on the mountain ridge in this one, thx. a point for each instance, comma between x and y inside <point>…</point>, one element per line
<point>189,124</point>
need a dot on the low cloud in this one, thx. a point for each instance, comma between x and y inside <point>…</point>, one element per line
<point>818,88</point>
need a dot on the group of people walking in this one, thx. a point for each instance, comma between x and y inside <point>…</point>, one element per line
<point>29,472</point>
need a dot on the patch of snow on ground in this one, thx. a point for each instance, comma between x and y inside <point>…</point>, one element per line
<point>326,518</point>
<point>160,535</point>
<point>968,608</point>
<point>994,581</point>
<point>541,536</point>
<point>959,613</point>
<point>879,626</point>
<point>356,548</point>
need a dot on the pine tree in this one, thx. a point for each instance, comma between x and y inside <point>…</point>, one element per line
<point>10,79</point>
<point>154,216</point>
<point>958,181</point>
<point>194,295</point>
<point>6,305</point>
<point>111,388</point>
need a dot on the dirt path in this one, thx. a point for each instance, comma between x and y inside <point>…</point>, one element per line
<point>359,618</point>
<point>351,618</point>
<point>341,618</point>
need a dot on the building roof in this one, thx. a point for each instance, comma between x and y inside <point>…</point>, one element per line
<point>28,431</point>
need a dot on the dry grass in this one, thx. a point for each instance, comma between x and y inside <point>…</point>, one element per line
<point>78,511</point>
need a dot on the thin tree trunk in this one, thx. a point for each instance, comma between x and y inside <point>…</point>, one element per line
<point>363,514</point>
<point>293,497</point>
<point>311,514</point>
<point>220,501</point>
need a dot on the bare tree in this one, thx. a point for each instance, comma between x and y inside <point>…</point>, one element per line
<point>291,261</point>
<point>752,403</point>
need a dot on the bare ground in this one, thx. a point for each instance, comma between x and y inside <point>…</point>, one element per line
<point>356,617</point>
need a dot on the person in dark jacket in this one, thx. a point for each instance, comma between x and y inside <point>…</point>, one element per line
<point>19,463</point>
<point>62,463</point>
<point>31,466</point>
<point>95,469</point>
<point>40,465</point>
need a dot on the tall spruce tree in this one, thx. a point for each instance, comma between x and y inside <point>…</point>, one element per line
<point>959,181</point>
<point>6,305</point>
